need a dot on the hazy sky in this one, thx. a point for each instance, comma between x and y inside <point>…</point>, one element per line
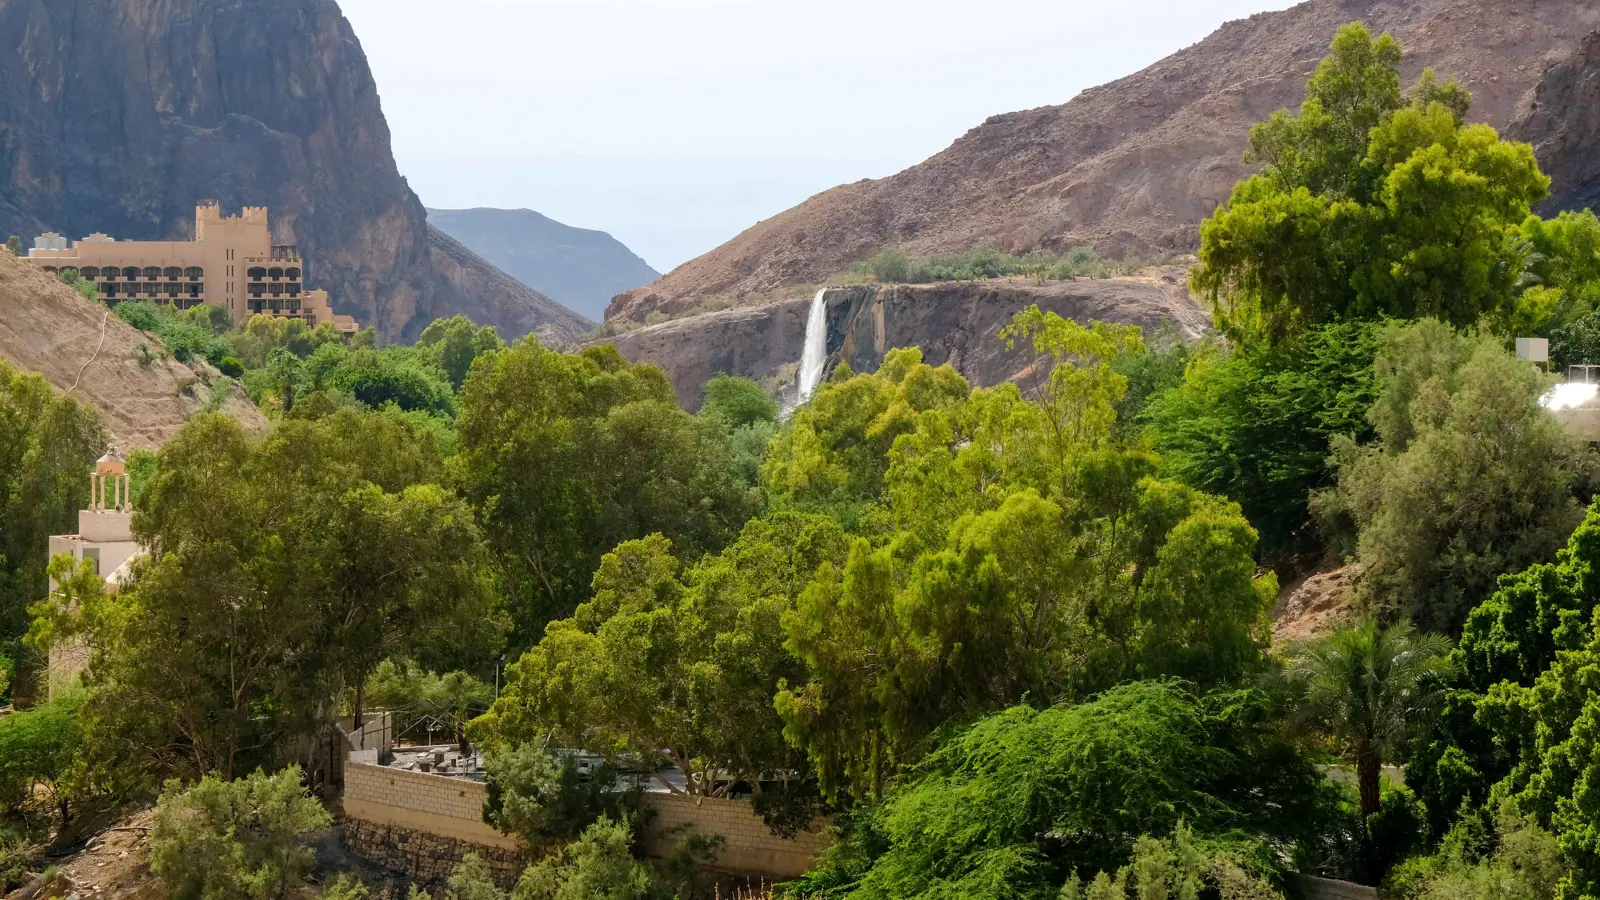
<point>675,124</point>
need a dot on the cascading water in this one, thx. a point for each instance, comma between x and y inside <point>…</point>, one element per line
<point>815,352</point>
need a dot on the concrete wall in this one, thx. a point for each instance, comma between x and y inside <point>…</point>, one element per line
<point>453,808</point>
<point>751,847</point>
<point>448,807</point>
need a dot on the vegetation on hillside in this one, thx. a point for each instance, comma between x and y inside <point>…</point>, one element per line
<point>1013,640</point>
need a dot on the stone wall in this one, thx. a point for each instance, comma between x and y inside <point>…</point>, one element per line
<point>422,856</point>
<point>751,847</point>
<point>448,807</point>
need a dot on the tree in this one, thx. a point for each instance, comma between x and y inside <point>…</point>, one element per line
<point>456,342</point>
<point>1469,478</point>
<point>1017,550</point>
<point>567,455</point>
<point>545,801</point>
<point>281,569</point>
<point>598,865</point>
<point>737,402</point>
<point>677,669</point>
<point>37,751</point>
<point>1368,687</point>
<point>48,445</point>
<point>1256,425</point>
<point>1370,203</point>
<point>224,840</point>
<point>1025,800</point>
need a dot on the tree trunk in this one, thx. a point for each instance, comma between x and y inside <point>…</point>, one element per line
<point>356,720</point>
<point>1369,773</point>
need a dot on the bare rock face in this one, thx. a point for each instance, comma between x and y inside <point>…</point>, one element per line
<point>81,349</point>
<point>1563,124</point>
<point>120,115</point>
<point>955,323</point>
<point>1137,163</point>
<point>1315,605</point>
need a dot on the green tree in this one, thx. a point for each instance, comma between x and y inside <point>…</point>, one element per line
<point>1368,687</point>
<point>456,342</point>
<point>567,455</point>
<point>670,668</point>
<point>737,402</point>
<point>48,445</point>
<point>546,801</point>
<point>1469,478</point>
<point>1370,203</point>
<point>1257,425</point>
<point>1026,800</point>
<point>38,749</point>
<point>225,840</point>
<point>597,866</point>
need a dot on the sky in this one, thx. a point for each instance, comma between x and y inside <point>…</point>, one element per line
<point>676,124</point>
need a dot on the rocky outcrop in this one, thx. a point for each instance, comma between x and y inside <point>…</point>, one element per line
<point>143,395</point>
<point>578,267</point>
<point>955,323</point>
<point>1136,163</point>
<point>120,115</point>
<point>1314,605</point>
<point>1563,125</point>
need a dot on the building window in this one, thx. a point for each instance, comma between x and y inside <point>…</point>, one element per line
<point>50,270</point>
<point>274,273</point>
<point>89,272</point>
<point>194,272</point>
<point>292,288</point>
<point>130,273</point>
<point>151,273</point>
<point>195,288</point>
<point>292,273</point>
<point>257,272</point>
<point>172,272</point>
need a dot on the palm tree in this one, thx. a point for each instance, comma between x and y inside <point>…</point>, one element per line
<point>1366,687</point>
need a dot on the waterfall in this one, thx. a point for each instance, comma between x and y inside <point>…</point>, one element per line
<point>815,352</point>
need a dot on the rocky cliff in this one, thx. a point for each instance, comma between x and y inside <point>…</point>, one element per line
<point>954,323</point>
<point>119,115</point>
<point>1135,163</point>
<point>578,267</point>
<point>79,347</point>
<point>1563,124</point>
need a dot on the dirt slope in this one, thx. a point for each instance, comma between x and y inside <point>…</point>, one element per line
<point>47,327</point>
<point>1135,163</point>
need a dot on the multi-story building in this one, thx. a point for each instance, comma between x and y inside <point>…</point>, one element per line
<point>231,263</point>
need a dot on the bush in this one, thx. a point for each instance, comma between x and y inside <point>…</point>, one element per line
<point>231,367</point>
<point>597,866</point>
<point>1526,863</point>
<point>544,801</point>
<point>891,266</point>
<point>185,336</point>
<point>37,747</point>
<point>18,856</point>
<point>226,840</point>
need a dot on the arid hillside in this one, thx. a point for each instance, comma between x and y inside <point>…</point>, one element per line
<point>1563,124</point>
<point>79,347</point>
<point>120,115</point>
<point>1136,163</point>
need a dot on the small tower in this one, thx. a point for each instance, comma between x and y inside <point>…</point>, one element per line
<point>110,489</point>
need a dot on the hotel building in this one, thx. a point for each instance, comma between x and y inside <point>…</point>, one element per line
<point>231,263</point>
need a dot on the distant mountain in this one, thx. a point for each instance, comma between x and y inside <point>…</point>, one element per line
<point>577,267</point>
<point>120,115</point>
<point>1134,164</point>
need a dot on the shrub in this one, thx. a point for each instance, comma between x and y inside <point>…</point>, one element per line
<point>597,866</point>
<point>18,856</point>
<point>226,840</point>
<point>37,748</point>
<point>231,367</point>
<point>545,801</point>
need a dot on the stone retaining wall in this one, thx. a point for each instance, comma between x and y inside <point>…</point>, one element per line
<point>751,849</point>
<point>424,857</point>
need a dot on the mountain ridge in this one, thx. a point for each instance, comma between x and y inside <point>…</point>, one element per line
<point>580,268</point>
<point>1135,163</point>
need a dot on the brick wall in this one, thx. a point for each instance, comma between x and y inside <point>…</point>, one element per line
<point>751,847</point>
<point>1313,888</point>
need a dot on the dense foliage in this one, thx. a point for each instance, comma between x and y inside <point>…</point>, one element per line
<point>893,266</point>
<point>1371,202</point>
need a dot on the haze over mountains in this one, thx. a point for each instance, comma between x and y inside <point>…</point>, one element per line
<point>579,268</point>
<point>1134,164</point>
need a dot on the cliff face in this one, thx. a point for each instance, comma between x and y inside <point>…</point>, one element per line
<point>1563,125</point>
<point>953,323</point>
<point>48,328</point>
<point>1137,163</point>
<point>578,267</point>
<point>119,115</point>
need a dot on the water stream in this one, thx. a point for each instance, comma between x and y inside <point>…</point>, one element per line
<point>815,352</point>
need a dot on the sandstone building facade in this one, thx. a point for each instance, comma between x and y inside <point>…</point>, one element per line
<point>231,263</point>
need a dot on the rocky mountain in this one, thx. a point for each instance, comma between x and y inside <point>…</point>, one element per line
<point>81,349</point>
<point>578,267</point>
<point>1136,163</point>
<point>119,115</point>
<point>1563,125</point>
<point>954,322</point>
